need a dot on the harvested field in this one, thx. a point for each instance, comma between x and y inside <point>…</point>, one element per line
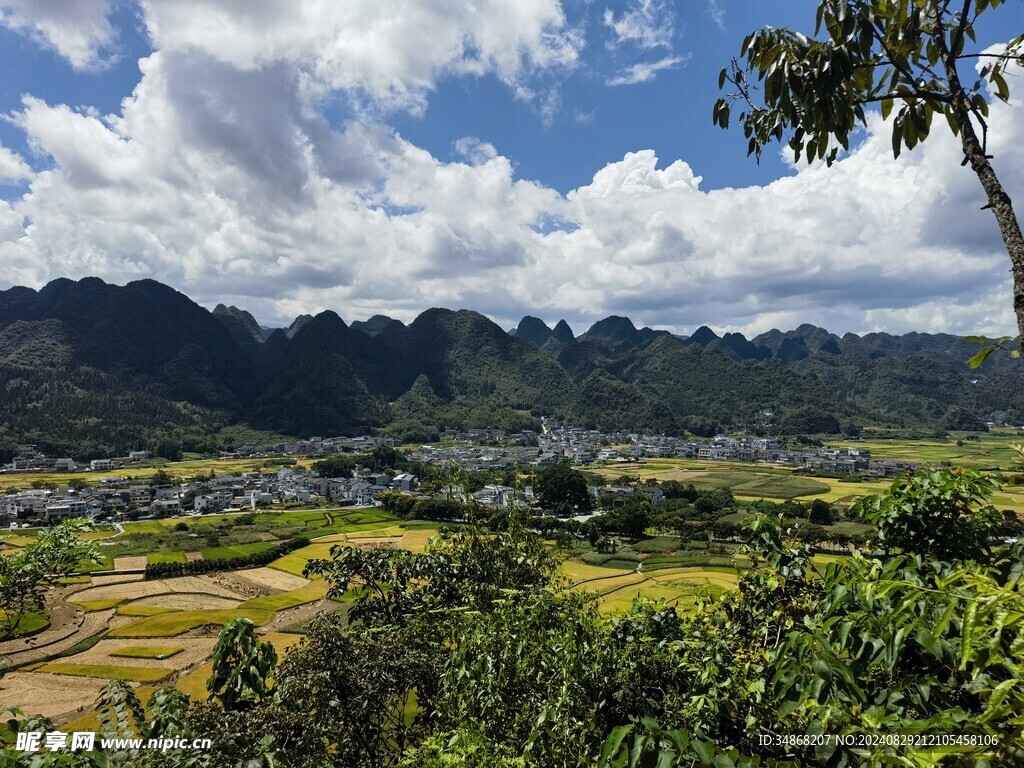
<point>273,578</point>
<point>115,578</point>
<point>193,556</point>
<point>138,589</point>
<point>190,651</point>
<point>194,683</point>
<point>416,541</point>
<point>183,601</point>
<point>131,563</point>
<point>49,695</point>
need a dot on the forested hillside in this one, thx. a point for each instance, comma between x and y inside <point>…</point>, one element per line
<point>92,369</point>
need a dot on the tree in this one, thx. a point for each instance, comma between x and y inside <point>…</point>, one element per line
<point>161,477</point>
<point>943,514</point>
<point>632,518</point>
<point>822,513</point>
<point>26,575</point>
<point>814,92</point>
<point>563,490</point>
<point>241,665</point>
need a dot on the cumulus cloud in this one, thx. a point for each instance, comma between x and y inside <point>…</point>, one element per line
<point>220,175</point>
<point>646,71</point>
<point>647,24</point>
<point>12,166</point>
<point>76,30</point>
<point>390,50</point>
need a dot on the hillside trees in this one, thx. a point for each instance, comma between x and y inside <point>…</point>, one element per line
<point>911,56</point>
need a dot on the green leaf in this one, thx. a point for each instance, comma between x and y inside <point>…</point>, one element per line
<point>980,357</point>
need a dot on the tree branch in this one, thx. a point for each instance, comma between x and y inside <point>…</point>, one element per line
<point>924,96</point>
<point>958,36</point>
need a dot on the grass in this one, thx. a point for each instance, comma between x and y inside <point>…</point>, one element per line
<point>295,561</point>
<point>194,683</point>
<point>237,550</point>
<point>174,623</point>
<point>147,651</point>
<point>135,674</point>
<point>576,571</point>
<point>416,540</point>
<point>88,566</point>
<point>166,557</point>
<point>315,590</point>
<point>74,580</point>
<point>680,587</point>
<point>29,624</point>
<point>83,645</point>
<point>91,606</point>
<point>131,609</point>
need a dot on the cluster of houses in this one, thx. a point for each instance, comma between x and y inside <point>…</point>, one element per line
<point>473,450</point>
<point>28,459</point>
<point>118,500</point>
<point>588,446</point>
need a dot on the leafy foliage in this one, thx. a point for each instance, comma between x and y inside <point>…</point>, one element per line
<point>27,574</point>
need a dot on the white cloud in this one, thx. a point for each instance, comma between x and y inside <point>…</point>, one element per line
<point>12,166</point>
<point>717,14</point>
<point>220,177</point>
<point>77,30</point>
<point>474,151</point>
<point>646,71</point>
<point>391,50</point>
<point>647,24</point>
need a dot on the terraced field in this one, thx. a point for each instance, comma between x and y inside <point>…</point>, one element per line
<point>680,587</point>
<point>753,482</point>
<point>163,631</point>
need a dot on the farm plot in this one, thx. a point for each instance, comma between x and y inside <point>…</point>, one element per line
<point>108,672</point>
<point>416,541</point>
<point>271,578</point>
<point>295,561</point>
<point>175,623</point>
<point>187,601</point>
<point>575,571</point>
<point>49,695</point>
<point>183,653</point>
<point>313,590</point>
<point>135,590</point>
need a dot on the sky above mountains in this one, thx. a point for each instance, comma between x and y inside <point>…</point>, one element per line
<point>513,157</point>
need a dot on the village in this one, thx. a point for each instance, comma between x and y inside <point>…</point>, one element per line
<point>115,498</point>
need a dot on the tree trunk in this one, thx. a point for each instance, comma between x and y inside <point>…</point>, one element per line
<point>998,200</point>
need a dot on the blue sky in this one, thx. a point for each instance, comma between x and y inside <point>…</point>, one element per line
<point>386,157</point>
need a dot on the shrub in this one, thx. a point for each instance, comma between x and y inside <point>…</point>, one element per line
<point>255,560</point>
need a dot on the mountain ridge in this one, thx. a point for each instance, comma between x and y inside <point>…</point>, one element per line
<point>180,373</point>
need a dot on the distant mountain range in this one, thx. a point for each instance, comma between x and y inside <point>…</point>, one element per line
<point>89,368</point>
